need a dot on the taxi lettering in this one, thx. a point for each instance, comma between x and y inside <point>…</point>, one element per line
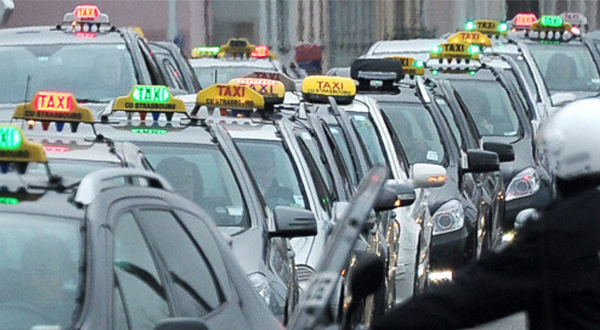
<point>332,86</point>
<point>486,25</point>
<point>54,102</point>
<point>234,91</point>
<point>457,48</point>
<point>86,12</point>
<point>470,35</point>
<point>156,94</point>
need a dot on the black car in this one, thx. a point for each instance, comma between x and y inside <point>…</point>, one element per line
<point>86,56</point>
<point>175,68</point>
<point>97,253</point>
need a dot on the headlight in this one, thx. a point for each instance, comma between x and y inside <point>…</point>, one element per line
<point>449,217</point>
<point>261,285</point>
<point>524,184</point>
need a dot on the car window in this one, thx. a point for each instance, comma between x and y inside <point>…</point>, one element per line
<point>201,174</point>
<point>566,67</point>
<point>324,192</point>
<point>526,70</point>
<point>342,145</point>
<point>315,153</point>
<point>222,75</point>
<point>274,172</point>
<point>40,260</point>
<point>368,134</point>
<point>93,72</point>
<point>136,277</point>
<point>196,290</point>
<point>449,117</point>
<point>489,106</point>
<point>173,75</point>
<point>417,132</point>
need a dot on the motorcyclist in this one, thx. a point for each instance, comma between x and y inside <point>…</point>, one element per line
<point>552,269</point>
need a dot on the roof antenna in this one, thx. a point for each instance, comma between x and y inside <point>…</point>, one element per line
<point>27,88</point>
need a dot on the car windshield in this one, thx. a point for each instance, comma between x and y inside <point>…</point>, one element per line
<point>40,263</point>
<point>566,68</point>
<point>368,134</point>
<point>201,174</point>
<point>92,72</point>
<point>416,130</point>
<point>222,75</point>
<point>490,107</point>
<point>274,172</point>
<point>74,168</point>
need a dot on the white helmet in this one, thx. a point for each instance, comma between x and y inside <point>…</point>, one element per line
<point>571,140</point>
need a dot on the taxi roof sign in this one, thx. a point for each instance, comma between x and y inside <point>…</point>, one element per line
<point>288,82</point>
<point>230,97</point>
<point>411,66</point>
<point>471,38</point>
<point>205,51</point>
<point>272,91</point>
<point>238,46</point>
<point>455,50</point>
<point>317,89</point>
<point>488,27</point>
<point>87,14</point>
<point>150,98</point>
<point>550,27</point>
<point>57,107</point>
<point>524,20</point>
<point>15,148</point>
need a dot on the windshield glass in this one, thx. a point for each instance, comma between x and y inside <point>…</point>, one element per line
<point>92,72</point>
<point>74,168</point>
<point>368,134</point>
<point>489,106</point>
<point>566,68</point>
<point>40,263</point>
<point>416,130</point>
<point>222,75</point>
<point>274,172</point>
<point>201,174</point>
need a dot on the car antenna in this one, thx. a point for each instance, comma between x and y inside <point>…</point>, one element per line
<point>27,88</point>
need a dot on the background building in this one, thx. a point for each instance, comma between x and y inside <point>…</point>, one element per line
<point>334,31</point>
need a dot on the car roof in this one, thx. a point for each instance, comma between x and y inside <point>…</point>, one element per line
<point>174,132</point>
<point>79,149</point>
<point>248,129</point>
<point>225,62</point>
<point>49,35</point>
<point>403,46</point>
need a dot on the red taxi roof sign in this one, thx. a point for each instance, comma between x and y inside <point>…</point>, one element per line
<point>273,91</point>
<point>86,14</point>
<point>56,107</point>
<point>524,20</point>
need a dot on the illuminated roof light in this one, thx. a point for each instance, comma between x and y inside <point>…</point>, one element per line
<point>502,27</point>
<point>86,12</point>
<point>154,94</point>
<point>472,72</point>
<point>524,20</point>
<point>575,30</point>
<point>551,21</point>
<point>419,64</point>
<point>261,51</point>
<point>473,50</point>
<point>435,72</point>
<point>9,200</point>
<point>470,26</point>
<point>436,49</point>
<point>10,138</point>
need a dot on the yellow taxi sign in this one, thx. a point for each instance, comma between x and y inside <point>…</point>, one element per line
<point>230,97</point>
<point>488,27</point>
<point>273,91</point>
<point>15,148</point>
<point>410,66</point>
<point>238,46</point>
<point>149,98</point>
<point>471,38</point>
<point>455,50</point>
<point>319,88</point>
<point>52,106</point>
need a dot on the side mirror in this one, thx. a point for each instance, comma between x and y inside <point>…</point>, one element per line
<point>386,200</point>
<point>404,192</point>
<point>505,152</point>
<point>367,277</point>
<point>428,175</point>
<point>482,161</point>
<point>181,323</point>
<point>526,215</point>
<point>293,222</point>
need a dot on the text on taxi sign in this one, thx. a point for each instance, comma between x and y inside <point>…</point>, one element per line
<point>10,138</point>
<point>261,86</point>
<point>524,20</point>
<point>454,48</point>
<point>53,101</point>
<point>551,21</point>
<point>153,94</point>
<point>87,12</point>
<point>234,91</point>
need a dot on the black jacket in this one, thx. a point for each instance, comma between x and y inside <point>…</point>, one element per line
<point>551,271</point>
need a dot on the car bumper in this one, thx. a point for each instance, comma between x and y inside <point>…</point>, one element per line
<point>539,200</point>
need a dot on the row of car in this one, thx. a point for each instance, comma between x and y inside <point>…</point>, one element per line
<point>274,173</point>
